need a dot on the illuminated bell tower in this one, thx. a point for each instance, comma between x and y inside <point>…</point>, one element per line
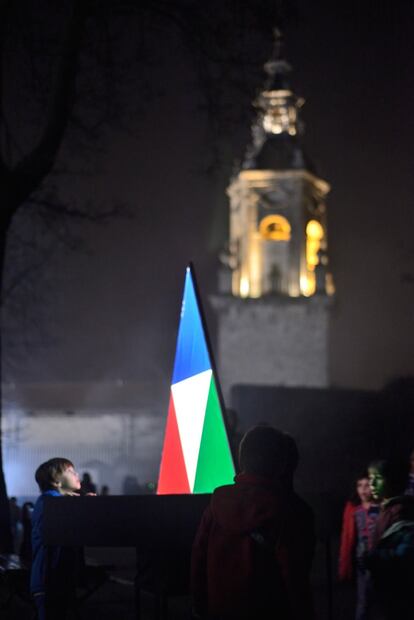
<point>273,303</point>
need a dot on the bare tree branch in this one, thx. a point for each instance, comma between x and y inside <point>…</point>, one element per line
<point>61,209</point>
<point>5,6</point>
<point>29,173</point>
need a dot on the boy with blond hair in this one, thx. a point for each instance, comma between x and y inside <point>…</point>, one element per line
<point>52,579</point>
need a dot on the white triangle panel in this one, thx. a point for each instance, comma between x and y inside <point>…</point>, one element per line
<point>190,402</point>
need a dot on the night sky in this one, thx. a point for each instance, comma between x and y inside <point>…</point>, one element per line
<point>110,311</point>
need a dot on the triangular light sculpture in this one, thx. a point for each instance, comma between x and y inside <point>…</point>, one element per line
<point>196,456</point>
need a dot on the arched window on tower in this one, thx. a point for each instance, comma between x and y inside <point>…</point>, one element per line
<point>275,227</point>
<point>275,234</point>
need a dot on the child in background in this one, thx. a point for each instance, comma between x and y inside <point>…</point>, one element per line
<point>391,559</point>
<point>26,545</point>
<point>56,477</point>
<point>15,521</point>
<point>360,516</point>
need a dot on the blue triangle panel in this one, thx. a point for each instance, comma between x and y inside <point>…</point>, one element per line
<point>191,356</point>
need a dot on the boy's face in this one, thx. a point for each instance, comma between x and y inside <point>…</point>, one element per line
<point>377,483</point>
<point>364,489</point>
<point>69,481</point>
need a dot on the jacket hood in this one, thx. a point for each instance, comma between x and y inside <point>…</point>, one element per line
<point>248,504</point>
<point>401,507</point>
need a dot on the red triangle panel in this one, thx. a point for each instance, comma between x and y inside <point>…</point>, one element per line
<point>173,474</point>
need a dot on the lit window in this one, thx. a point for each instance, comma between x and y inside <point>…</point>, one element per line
<point>244,287</point>
<point>275,227</point>
<point>308,284</point>
<point>314,236</point>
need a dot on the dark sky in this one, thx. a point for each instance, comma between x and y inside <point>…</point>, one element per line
<point>112,312</point>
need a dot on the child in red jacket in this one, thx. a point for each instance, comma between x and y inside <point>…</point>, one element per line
<point>253,550</point>
<point>358,526</point>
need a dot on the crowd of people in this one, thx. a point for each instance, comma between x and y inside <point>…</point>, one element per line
<point>253,551</point>
<point>377,540</point>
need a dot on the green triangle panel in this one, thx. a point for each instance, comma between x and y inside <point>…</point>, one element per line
<point>215,464</point>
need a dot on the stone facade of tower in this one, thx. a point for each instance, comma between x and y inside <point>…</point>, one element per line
<point>272,341</point>
<point>274,293</point>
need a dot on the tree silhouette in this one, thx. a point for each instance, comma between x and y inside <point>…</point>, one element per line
<point>59,67</point>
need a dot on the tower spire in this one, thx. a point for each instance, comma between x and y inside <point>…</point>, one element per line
<point>277,103</point>
<point>277,123</point>
<point>276,66</point>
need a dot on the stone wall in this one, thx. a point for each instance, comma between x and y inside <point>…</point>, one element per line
<point>272,341</point>
<point>110,445</point>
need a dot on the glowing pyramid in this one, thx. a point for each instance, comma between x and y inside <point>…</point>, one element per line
<point>196,456</point>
